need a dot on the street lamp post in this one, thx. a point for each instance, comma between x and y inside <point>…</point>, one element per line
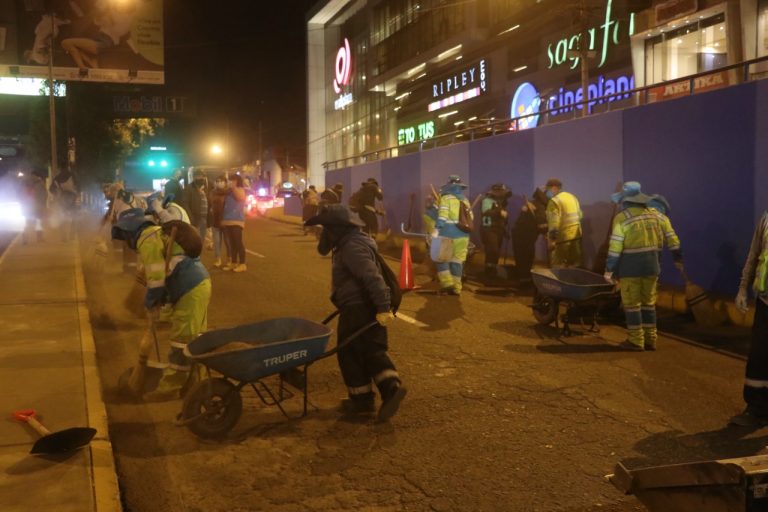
<point>51,99</point>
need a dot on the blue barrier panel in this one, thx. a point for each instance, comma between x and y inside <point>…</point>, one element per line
<point>400,179</point>
<point>699,153</point>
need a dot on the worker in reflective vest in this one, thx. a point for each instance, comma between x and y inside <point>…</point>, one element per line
<point>755,274</point>
<point>172,278</point>
<point>638,236</point>
<point>448,225</point>
<point>563,226</point>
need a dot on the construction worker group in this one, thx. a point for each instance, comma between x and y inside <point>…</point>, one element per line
<point>639,231</point>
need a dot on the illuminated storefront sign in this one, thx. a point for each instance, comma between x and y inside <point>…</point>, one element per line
<point>343,69</point>
<point>420,133</point>
<point>464,85</point>
<point>564,50</point>
<point>683,88</point>
<point>565,100</point>
<point>526,102</point>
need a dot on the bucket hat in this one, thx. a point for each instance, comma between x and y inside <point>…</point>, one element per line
<point>631,193</point>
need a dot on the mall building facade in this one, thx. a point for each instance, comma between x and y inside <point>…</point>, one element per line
<point>395,73</point>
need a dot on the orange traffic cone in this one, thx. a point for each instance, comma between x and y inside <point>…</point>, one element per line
<point>406,268</point>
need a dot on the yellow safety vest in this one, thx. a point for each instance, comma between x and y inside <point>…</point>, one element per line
<point>564,217</point>
<point>760,284</point>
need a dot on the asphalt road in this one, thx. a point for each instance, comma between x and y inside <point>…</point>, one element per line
<point>6,237</point>
<point>502,414</point>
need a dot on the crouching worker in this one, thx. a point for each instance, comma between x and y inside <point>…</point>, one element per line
<point>362,296</point>
<point>175,276</point>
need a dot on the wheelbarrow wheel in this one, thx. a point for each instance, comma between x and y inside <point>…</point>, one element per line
<point>214,406</point>
<point>544,309</point>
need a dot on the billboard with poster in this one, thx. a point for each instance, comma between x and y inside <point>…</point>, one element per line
<point>91,40</point>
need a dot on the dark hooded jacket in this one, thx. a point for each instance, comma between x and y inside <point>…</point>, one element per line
<point>355,275</point>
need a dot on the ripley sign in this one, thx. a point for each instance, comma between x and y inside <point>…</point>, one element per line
<point>603,36</point>
<point>461,86</point>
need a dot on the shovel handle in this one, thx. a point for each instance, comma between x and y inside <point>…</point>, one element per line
<point>28,416</point>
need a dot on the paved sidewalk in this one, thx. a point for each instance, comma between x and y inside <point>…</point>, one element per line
<point>47,362</point>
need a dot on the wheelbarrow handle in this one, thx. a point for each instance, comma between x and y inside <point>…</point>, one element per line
<point>349,339</point>
<point>28,416</point>
<point>330,317</point>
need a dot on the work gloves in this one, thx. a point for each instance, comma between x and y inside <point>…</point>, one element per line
<point>608,276</point>
<point>384,318</point>
<point>155,297</point>
<point>741,300</point>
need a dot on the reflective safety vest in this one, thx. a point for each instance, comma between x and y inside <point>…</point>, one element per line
<point>564,217</point>
<point>448,216</point>
<point>638,235</point>
<point>151,247</point>
<point>760,284</point>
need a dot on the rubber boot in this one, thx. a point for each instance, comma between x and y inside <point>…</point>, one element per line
<point>392,393</point>
<point>359,404</point>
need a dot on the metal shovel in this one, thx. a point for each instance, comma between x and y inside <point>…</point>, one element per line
<point>63,441</point>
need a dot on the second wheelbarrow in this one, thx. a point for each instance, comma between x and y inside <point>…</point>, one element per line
<point>578,290</point>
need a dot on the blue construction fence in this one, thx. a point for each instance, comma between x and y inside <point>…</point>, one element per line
<point>707,154</point>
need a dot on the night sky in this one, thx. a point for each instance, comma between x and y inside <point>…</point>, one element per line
<point>244,60</point>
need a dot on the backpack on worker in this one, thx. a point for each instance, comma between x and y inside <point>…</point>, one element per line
<point>390,279</point>
<point>185,235</point>
<point>466,218</point>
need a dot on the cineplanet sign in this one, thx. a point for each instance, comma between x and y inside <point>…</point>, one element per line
<point>605,35</point>
<point>526,103</point>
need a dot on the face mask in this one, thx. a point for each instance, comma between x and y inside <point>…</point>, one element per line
<point>221,184</point>
<point>550,194</point>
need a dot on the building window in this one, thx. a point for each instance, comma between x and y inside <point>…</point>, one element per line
<point>762,29</point>
<point>694,48</point>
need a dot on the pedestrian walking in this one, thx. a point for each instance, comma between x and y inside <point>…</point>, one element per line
<point>494,226</point>
<point>564,226</point>
<point>332,195</point>
<point>196,199</point>
<point>454,221</point>
<point>175,277</point>
<point>361,296</point>
<point>216,200</point>
<point>367,196</point>
<point>65,191</point>
<point>529,225</point>
<point>34,205</point>
<point>755,275</point>
<point>639,233</point>
<point>233,223</point>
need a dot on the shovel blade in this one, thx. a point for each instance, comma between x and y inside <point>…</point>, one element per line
<point>63,441</point>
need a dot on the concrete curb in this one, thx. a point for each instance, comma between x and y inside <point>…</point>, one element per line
<point>106,491</point>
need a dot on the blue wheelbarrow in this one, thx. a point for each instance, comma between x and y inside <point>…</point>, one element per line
<point>582,294</point>
<point>246,355</point>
